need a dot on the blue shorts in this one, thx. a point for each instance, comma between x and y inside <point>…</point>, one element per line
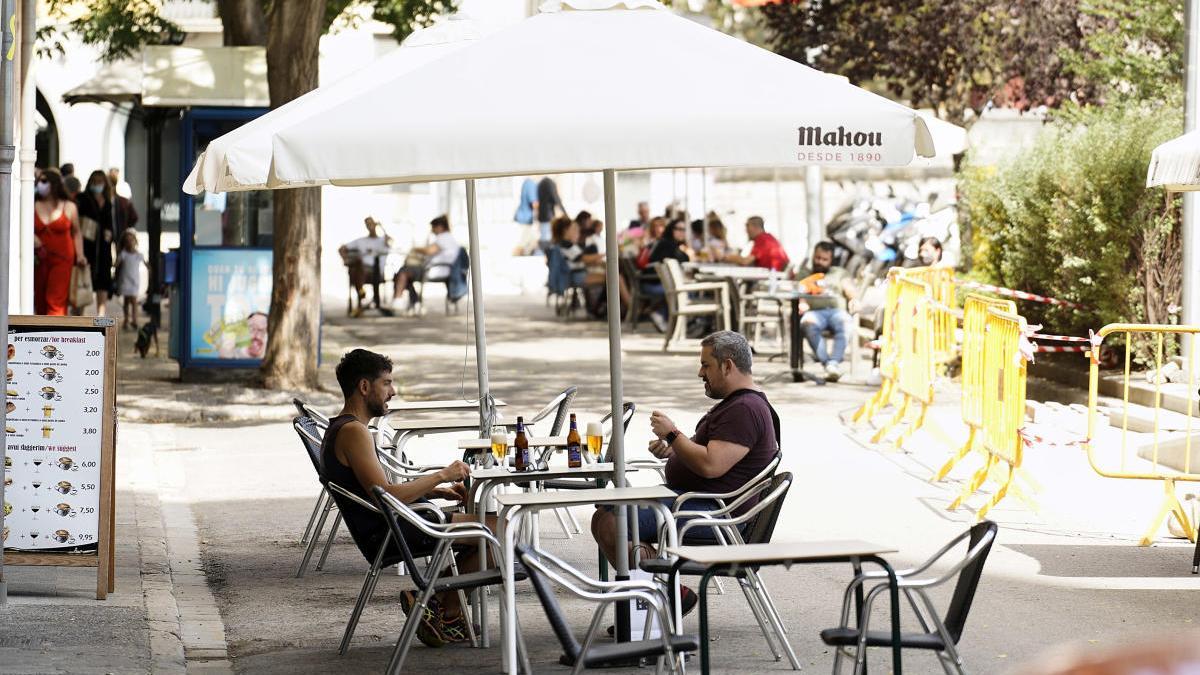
<point>647,521</point>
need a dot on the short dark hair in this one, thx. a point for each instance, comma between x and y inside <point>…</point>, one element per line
<point>358,365</point>
<point>756,221</point>
<point>441,221</point>
<point>826,246</point>
<point>932,241</point>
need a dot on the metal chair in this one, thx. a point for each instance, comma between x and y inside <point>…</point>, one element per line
<point>460,266</point>
<point>310,437</point>
<point>433,580</point>
<point>639,302</point>
<point>946,632</point>
<point>543,567</point>
<point>321,423</point>
<point>755,525</point>
<point>680,306</point>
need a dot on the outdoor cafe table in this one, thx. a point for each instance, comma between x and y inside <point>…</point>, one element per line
<point>408,429</point>
<point>730,271</point>
<point>485,481</point>
<point>513,507</point>
<point>730,558</point>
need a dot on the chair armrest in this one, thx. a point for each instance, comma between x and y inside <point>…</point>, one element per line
<point>353,497</point>
<point>438,513</point>
<point>701,286</point>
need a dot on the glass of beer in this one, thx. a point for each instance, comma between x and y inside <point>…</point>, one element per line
<point>595,439</point>
<point>499,444</point>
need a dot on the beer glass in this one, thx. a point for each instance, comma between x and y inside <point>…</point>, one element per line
<point>499,444</point>
<point>595,439</point>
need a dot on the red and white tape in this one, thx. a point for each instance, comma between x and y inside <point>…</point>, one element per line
<point>1060,338</point>
<point>1061,350</point>
<point>1030,439</point>
<point>1020,295</point>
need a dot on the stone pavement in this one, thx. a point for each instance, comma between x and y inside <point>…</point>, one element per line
<point>212,507</point>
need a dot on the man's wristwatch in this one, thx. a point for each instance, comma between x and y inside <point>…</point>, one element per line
<point>670,437</point>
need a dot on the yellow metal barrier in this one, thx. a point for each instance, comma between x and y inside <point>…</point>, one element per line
<point>1003,409</point>
<point>1138,469</point>
<point>941,285</point>
<point>913,333</point>
<point>974,316</point>
<point>887,353</point>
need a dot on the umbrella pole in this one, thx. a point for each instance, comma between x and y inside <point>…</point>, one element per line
<point>486,409</point>
<point>616,385</point>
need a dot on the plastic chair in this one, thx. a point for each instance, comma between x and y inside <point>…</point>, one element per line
<point>680,306</point>
<point>543,567</point>
<point>755,525</point>
<point>433,580</point>
<point>946,632</point>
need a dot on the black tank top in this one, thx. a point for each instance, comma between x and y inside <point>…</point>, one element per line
<point>366,527</point>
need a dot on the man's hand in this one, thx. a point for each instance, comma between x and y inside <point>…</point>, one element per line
<point>455,472</point>
<point>454,492</point>
<point>802,306</point>
<point>660,424</point>
<point>661,450</point>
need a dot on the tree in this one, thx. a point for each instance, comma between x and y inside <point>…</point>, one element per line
<point>952,55</point>
<point>1132,49</point>
<point>291,31</point>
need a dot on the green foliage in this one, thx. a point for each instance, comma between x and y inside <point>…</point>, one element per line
<point>120,27</point>
<point>1132,49</point>
<point>405,16</point>
<point>1070,218</point>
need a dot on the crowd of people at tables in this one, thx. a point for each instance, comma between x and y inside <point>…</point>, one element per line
<point>76,227</point>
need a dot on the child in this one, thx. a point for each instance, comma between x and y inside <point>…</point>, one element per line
<point>129,275</point>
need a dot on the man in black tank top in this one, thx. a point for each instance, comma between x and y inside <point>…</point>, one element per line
<point>349,460</point>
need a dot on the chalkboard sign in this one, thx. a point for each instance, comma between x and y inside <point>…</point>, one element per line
<point>60,425</point>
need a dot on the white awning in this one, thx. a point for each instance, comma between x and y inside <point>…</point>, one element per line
<point>1175,164</point>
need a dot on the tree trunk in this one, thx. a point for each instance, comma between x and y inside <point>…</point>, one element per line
<point>294,320</point>
<point>244,22</point>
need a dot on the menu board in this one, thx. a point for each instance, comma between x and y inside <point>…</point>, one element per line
<point>54,416</point>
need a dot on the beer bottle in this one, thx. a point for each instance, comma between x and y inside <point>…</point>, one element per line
<point>521,447</point>
<point>574,449</point>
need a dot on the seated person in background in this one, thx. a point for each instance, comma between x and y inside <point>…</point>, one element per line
<point>632,239</point>
<point>929,251</point>
<point>349,460</point>
<point>734,441</point>
<point>766,252</point>
<point>564,233</point>
<point>829,312</point>
<point>716,244</point>
<point>653,233</point>
<point>364,258</point>
<point>437,257</point>
<point>673,244</point>
<point>594,289</point>
<point>696,237</point>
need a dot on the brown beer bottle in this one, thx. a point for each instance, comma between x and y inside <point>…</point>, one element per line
<point>574,449</point>
<point>521,447</point>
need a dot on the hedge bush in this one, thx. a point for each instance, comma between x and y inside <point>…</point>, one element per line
<point>1069,217</point>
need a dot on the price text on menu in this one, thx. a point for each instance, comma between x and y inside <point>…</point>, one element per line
<point>54,392</point>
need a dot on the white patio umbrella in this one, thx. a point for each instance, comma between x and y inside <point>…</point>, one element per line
<point>1175,164</point>
<point>598,62</point>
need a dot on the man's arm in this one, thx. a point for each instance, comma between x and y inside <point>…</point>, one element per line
<point>358,447</point>
<point>711,461</point>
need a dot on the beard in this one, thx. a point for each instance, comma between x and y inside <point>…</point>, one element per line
<point>377,408</point>
<point>820,269</point>
<point>710,392</point>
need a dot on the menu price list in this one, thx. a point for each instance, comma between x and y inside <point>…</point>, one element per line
<point>53,403</point>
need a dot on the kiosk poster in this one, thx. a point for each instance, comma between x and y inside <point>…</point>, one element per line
<point>54,386</point>
<point>231,293</point>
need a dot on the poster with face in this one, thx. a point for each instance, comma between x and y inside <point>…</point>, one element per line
<point>231,294</point>
<point>54,393</point>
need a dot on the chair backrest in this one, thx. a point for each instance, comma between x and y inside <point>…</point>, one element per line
<point>630,272</point>
<point>306,410</point>
<point>393,511</point>
<point>310,436</point>
<point>561,406</point>
<point>559,271</point>
<point>761,528</point>
<point>668,284</point>
<point>545,593</point>
<point>983,535</point>
<point>628,408</point>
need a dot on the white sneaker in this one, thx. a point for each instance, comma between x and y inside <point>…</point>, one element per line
<point>659,322</point>
<point>874,378</point>
<point>833,371</point>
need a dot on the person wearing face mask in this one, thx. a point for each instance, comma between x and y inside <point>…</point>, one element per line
<point>828,312</point>
<point>57,244</point>
<point>96,211</point>
<point>930,251</point>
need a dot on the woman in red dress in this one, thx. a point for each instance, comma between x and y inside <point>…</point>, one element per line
<point>57,243</point>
